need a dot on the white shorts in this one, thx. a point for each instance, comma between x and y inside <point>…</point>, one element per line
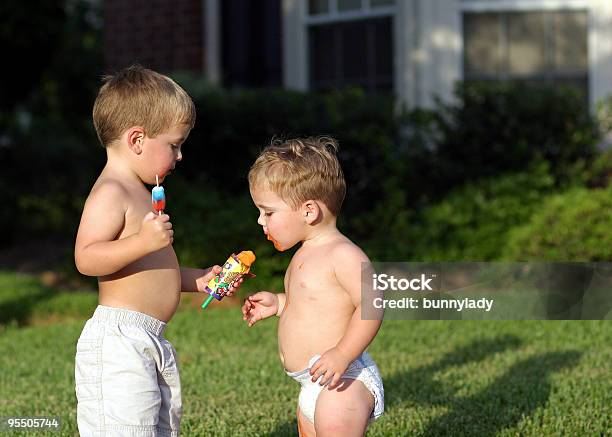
<point>362,369</point>
<point>126,375</point>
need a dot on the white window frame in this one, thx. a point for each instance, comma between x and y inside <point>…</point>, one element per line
<point>334,15</point>
<point>521,5</point>
<point>211,21</point>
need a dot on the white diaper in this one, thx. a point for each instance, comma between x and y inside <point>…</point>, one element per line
<point>362,369</point>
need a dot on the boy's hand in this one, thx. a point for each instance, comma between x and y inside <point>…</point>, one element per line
<point>259,306</point>
<point>156,231</point>
<point>202,281</point>
<point>331,366</point>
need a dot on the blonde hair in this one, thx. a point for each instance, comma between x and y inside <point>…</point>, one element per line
<point>137,96</point>
<point>301,169</point>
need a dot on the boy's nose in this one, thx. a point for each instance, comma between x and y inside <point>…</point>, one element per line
<point>179,156</point>
<point>260,220</point>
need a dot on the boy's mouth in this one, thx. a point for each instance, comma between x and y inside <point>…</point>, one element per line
<point>277,245</point>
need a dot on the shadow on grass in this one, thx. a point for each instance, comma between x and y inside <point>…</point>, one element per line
<point>517,393</point>
<point>19,308</point>
<point>286,429</point>
<point>510,398</point>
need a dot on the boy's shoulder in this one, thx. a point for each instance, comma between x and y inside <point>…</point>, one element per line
<point>347,261</point>
<point>344,250</point>
<point>108,195</point>
<point>107,188</point>
<point>104,212</point>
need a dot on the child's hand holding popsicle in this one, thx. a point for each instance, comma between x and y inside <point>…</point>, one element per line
<point>158,197</point>
<point>212,272</point>
<point>156,230</point>
<point>230,277</point>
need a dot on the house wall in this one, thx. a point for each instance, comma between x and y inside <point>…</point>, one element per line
<point>431,50</point>
<point>428,44</point>
<point>295,45</point>
<point>600,50</point>
<point>159,34</point>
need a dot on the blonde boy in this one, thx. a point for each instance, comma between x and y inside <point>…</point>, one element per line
<point>298,187</point>
<point>126,373</point>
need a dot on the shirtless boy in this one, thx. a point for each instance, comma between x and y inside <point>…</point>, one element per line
<point>126,373</point>
<point>298,187</point>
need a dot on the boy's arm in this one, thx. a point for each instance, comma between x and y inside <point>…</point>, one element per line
<point>347,260</point>
<point>97,252</point>
<point>359,333</point>
<point>282,299</point>
<point>195,280</point>
<point>262,305</point>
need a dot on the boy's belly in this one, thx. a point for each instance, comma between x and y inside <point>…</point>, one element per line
<point>150,286</point>
<point>301,336</point>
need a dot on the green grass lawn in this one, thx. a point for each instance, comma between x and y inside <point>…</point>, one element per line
<point>480,378</point>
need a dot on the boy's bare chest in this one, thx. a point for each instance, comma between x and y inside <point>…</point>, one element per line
<point>139,206</point>
<point>309,278</point>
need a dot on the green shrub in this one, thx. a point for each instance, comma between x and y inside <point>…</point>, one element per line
<point>604,115</point>
<point>599,173</point>
<point>234,125</point>
<point>573,226</point>
<point>503,127</point>
<point>471,223</point>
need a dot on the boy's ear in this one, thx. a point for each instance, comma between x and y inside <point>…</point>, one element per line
<point>312,212</point>
<point>135,139</point>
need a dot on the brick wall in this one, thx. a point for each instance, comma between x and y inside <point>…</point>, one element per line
<point>165,35</point>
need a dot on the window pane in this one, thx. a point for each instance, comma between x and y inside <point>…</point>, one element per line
<point>349,5</point>
<point>527,43</point>
<point>570,41</point>
<point>482,35</point>
<point>383,49</point>
<point>548,48</point>
<point>318,7</point>
<point>377,3</point>
<point>322,55</point>
<point>352,53</point>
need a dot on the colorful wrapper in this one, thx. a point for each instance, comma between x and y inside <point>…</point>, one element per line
<point>233,270</point>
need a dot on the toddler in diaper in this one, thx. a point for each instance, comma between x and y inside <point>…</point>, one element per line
<point>362,369</point>
<point>298,187</point>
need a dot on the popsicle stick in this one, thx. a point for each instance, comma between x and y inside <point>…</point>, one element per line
<point>207,301</point>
